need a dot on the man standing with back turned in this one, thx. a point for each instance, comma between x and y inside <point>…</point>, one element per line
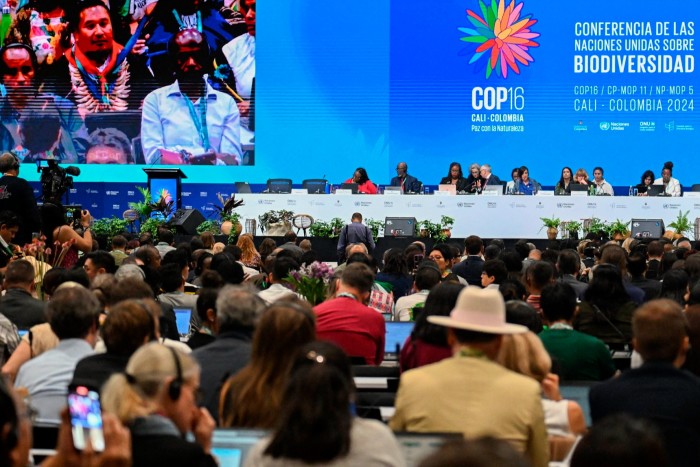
<point>355,232</point>
<point>17,196</point>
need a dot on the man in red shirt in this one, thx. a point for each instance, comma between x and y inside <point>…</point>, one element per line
<point>346,319</point>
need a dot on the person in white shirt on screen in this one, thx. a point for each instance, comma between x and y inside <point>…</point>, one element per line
<point>672,187</point>
<point>601,186</point>
<point>240,55</point>
<point>189,117</point>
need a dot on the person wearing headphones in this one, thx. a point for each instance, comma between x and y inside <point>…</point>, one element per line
<point>188,122</point>
<point>156,397</point>
<point>17,196</point>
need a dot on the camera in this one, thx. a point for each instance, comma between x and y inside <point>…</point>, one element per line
<point>55,180</point>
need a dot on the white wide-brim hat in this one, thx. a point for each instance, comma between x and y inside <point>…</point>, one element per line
<point>481,310</point>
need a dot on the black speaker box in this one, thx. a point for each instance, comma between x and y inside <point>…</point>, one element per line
<point>399,227</point>
<point>186,221</point>
<point>647,228</point>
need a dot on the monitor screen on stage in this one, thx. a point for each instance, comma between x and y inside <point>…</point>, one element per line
<point>509,83</point>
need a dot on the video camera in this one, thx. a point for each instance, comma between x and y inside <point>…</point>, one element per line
<point>55,180</point>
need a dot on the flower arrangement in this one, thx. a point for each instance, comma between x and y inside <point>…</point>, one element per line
<point>43,258</point>
<point>311,281</point>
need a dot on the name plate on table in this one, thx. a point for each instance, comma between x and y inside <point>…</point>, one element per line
<point>545,193</point>
<point>579,193</point>
<point>300,191</point>
<point>343,191</point>
<point>691,194</point>
<point>392,192</point>
<point>443,193</point>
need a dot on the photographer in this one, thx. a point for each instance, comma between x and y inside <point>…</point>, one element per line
<point>16,195</point>
<point>56,229</point>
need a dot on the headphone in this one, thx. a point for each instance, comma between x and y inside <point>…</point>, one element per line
<point>175,387</point>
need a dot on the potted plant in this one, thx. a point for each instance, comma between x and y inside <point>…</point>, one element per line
<point>552,224</point>
<point>681,225</point>
<point>106,228</point>
<point>321,229</point>
<point>229,219</point>
<point>595,226</point>
<point>277,223</point>
<point>143,208</point>
<point>572,228</point>
<point>211,226</point>
<point>375,226</point>
<point>446,224</point>
<point>428,229</point>
<point>618,230</point>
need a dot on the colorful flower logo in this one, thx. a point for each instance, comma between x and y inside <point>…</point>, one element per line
<point>500,35</point>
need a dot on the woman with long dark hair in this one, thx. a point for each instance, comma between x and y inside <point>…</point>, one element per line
<point>675,286</point>
<point>455,177</point>
<point>606,310</point>
<point>428,342</point>
<point>646,181</point>
<point>395,273</point>
<point>316,423</point>
<point>364,185</point>
<point>563,186</point>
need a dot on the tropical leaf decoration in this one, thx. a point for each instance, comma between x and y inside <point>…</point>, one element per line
<point>226,207</point>
<point>164,205</point>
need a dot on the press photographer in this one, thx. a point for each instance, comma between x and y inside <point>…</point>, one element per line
<point>16,195</point>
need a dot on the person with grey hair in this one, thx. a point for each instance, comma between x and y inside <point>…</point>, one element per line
<point>18,305</point>
<point>73,314</point>
<point>489,178</point>
<point>130,271</point>
<point>237,311</point>
<point>354,232</point>
<point>474,180</point>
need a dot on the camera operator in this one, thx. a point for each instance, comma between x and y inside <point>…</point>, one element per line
<point>56,229</point>
<point>17,196</point>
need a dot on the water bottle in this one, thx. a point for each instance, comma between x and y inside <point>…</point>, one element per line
<point>631,191</point>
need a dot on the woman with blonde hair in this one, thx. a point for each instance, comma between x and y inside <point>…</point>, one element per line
<point>525,354</point>
<point>156,397</point>
<point>581,177</point>
<point>252,398</point>
<point>250,256</point>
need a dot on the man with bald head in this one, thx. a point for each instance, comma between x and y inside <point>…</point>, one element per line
<point>17,196</point>
<point>189,118</point>
<point>408,183</point>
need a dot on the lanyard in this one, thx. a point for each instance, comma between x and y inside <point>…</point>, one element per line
<point>182,24</point>
<point>200,121</point>
<point>473,353</point>
<point>97,84</point>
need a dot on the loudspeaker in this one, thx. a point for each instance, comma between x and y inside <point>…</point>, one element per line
<point>186,221</point>
<point>399,226</point>
<point>647,228</point>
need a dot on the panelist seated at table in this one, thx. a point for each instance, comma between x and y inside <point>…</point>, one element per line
<point>510,186</point>
<point>489,178</point>
<point>526,185</point>
<point>408,183</point>
<point>364,185</point>
<point>455,177</point>
<point>188,122</point>
<point>602,188</point>
<point>672,187</point>
<point>647,181</point>
<point>474,181</point>
<point>563,186</point>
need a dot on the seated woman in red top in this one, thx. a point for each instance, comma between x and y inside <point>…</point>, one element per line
<point>428,342</point>
<point>364,185</point>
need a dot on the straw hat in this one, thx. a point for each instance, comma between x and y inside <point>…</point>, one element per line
<point>481,310</point>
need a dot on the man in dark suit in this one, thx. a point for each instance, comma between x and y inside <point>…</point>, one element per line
<point>9,225</point>
<point>470,268</point>
<point>569,266</point>
<point>489,178</point>
<point>658,390</point>
<point>408,183</point>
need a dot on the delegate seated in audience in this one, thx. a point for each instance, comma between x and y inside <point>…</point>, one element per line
<point>156,398</point>
<point>579,356</point>
<point>469,392</point>
<point>394,276</point>
<point>569,269</point>
<point>427,277</point>
<point>428,342</point>
<point>188,118</point>
<point>480,452</point>
<point>364,184</point>
<point>20,71</point>
<point>672,187</point>
<point>237,311</point>
<point>346,319</point>
<point>73,314</point>
<point>614,254</point>
<point>606,310</point>
<point>128,326</point>
<point>249,255</point>
<point>252,398</point>
<point>173,286</point>
<point>277,291</point>
<point>493,274</point>
<point>97,263</point>
<point>455,177</point>
<point>470,267</point>
<point>525,354</point>
<point>118,250</point>
<point>320,430</point>
<point>658,390</point>
<point>537,277</point>
<point>18,305</point>
<point>206,310</point>
<point>675,286</point>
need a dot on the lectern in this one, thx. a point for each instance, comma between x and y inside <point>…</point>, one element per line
<point>168,179</point>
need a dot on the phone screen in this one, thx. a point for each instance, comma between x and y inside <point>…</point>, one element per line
<point>86,418</point>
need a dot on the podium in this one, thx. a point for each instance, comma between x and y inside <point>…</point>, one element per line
<point>168,179</point>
